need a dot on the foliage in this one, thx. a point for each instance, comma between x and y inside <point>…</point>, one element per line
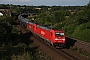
<point>59,16</point>
<point>10,40</point>
<point>81,17</point>
<point>48,18</point>
<point>62,18</point>
<point>87,11</point>
<point>69,29</point>
<point>82,32</point>
<point>14,45</point>
<point>45,18</point>
<point>58,26</point>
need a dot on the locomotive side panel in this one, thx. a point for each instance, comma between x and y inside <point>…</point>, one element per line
<point>43,33</point>
<point>30,27</point>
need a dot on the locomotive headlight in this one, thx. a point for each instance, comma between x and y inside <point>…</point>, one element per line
<point>63,39</point>
<point>59,39</point>
<point>56,39</point>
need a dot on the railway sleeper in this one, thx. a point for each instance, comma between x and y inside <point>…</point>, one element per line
<point>59,45</point>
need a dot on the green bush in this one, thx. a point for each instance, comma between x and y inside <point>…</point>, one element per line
<point>69,29</point>
<point>82,32</point>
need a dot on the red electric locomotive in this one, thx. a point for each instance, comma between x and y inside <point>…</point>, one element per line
<point>54,37</point>
<point>32,27</point>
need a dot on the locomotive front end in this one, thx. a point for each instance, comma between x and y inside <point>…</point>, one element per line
<point>59,38</point>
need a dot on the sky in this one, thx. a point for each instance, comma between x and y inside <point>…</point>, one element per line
<point>46,2</point>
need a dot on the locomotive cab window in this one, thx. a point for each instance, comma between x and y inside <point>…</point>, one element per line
<point>59,34</point>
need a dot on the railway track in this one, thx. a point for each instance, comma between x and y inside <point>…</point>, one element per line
<point>85,46</point>
<point>64,53</point>
<point>55,54</point>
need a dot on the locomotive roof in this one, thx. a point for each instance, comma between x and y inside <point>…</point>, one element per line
<point>31,22</point>
<point>44,27</point>
<point>25,20</point>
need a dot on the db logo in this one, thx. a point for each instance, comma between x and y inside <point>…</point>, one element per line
<point>29,26</point>
<point>43,33</point>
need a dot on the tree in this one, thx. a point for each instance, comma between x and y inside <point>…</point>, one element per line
<point>87,10</point>
<point>59,16</point>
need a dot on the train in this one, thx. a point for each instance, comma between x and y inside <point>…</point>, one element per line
<point>53,36</point>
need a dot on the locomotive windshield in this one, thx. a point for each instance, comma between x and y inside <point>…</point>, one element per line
<point>59,34</point>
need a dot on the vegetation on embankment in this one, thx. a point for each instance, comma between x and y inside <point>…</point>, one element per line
<point>74,22</point>
<point>73,19</point>
<point>14,45</point>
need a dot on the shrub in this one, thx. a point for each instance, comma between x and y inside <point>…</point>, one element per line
<point>69,29</point>
<point>82,32</point>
